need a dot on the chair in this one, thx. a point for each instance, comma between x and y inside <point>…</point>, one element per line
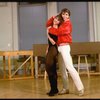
<point>79,61</point>
<point>45,74</point>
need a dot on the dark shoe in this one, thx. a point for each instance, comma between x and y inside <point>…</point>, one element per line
<point>48,93</point>
<point>64,91</point>
<point>52,93</point>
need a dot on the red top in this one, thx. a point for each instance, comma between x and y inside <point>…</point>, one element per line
<point>63,32</point>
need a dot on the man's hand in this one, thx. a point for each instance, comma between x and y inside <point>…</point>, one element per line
<point>49,27</point>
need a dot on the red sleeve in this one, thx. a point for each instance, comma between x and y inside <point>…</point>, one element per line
<point>50,22</point>
<point>53,30</point>
<point>65,29</point>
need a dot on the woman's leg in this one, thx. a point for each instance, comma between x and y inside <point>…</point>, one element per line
<point>65,52</point>
<point>51,68</point>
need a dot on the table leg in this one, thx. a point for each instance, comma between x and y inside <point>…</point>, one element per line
<point>36,66</point>
<point>9,67</point>
<point>98,64</point>
<point>32,69</point>
<point>25,65</point>
<point>4,65</point>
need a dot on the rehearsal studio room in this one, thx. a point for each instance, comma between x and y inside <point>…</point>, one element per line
<point>23,45</point>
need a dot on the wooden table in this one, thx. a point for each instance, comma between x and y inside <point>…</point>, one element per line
<point>39,50</point>
<point>9,54</point>
<point>87,48</point>
<point>77,48</point>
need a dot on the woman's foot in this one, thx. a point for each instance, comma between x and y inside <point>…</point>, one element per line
<point>52,93</point>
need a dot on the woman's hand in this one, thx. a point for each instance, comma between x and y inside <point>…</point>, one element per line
<point>53,17</point>
<point>52,41</point>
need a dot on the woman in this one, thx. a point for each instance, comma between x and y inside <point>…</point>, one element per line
<point>64,40</point>
<point>51,56</point>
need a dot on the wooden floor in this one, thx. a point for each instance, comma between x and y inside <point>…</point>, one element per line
<point>37,88</point>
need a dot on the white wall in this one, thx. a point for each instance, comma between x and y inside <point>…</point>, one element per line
<point>51,9</point>
<point>15,26</point>
<point>91,22</point>
<point>8,27</point>
<point>94,21</point>
<point>97,19</point>
<point>9,24</point>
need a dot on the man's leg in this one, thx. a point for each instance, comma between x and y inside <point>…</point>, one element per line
<point>64,75</point>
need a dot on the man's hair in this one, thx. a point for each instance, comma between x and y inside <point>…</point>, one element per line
<point>66,10</point>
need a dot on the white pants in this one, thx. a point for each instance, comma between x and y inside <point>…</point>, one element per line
<point>63,70</point>
<point>65,52</point>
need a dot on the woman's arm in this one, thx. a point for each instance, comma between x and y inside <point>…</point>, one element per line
<point>51,40</point>
<point>46,50</point>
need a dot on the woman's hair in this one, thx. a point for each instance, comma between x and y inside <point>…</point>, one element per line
<point>59,18</point>
<point>65,10</point>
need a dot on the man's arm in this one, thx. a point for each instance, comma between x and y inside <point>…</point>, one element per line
<point>50,21</point>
